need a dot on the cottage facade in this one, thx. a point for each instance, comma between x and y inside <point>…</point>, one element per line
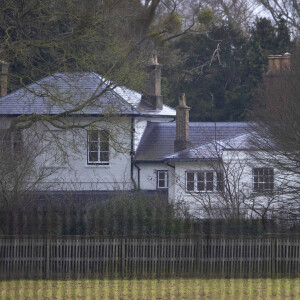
<point>124,140</point>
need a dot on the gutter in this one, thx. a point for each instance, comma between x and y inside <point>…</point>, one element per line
<point>167,163</point>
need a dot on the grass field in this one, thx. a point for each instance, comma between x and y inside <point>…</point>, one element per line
<point>152,289</point>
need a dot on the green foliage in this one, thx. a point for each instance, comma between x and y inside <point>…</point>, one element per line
<point>205,17</point>
<point>220,71</point>
<point>120,214</point>
<point>172,23</point>
<point>138,214</point>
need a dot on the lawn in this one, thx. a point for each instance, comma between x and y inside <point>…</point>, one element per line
<point>152,289</point>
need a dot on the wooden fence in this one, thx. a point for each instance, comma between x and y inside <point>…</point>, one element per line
<point>92,257</point>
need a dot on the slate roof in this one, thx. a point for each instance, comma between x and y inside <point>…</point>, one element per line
<point>157,143</point>
<point>73,89</point>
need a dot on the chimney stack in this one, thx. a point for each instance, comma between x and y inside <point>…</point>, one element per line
<point>4,76</point>
<point>278,64</point>
<point>152,89</point>
<point>182,125</point>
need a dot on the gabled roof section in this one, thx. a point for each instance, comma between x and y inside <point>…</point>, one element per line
<point>212,150</point>
<point>64,92</point>
<point>135,99</point>
<point>157,143</point>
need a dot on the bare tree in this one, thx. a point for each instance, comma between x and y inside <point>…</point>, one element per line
<point>226,184</point>
<point>287,9</point>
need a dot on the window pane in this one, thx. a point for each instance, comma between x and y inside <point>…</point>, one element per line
<point>209,176</point>
<point>200,177</point>
<point>200,186</point>
<point>104,146</point>
<point>209,181</point>
<point>190,181</point>
<point>161,183</point>
<point>104,156</point>
<point>209,186</point>
<point>93,146</point>
<point>93,156</point>
<point>190,176</point>
<point>17,141</point>
<point>161,175</point>
<point>190,186</point>
<point>104,136</point>
<point>220,181</point>
<point>93,135</point>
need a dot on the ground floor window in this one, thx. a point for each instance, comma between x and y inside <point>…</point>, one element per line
<point>11,142</point>
<point>162,179</point>
<point>263,179</point>
<point>204,181</point>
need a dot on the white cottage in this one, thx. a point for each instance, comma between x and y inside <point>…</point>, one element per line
<point>93,137</point>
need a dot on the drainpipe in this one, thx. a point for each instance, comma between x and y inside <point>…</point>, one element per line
<point>132,130</point>
<point>139,176</point>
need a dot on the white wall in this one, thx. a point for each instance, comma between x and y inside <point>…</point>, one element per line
<point>73,172</point>
<point>238,175</point>
<point>148,175</point>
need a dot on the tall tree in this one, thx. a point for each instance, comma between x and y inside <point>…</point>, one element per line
<point>287,9</point>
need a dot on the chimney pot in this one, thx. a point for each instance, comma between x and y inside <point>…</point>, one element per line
<point>278,64</point>
<point>182,125</point>
<point>152,89</point>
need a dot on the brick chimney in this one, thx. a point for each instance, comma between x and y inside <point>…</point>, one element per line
<point>278,64</point>
<point>182,125</point>
<point>152,88</point>
<point>4,75</point>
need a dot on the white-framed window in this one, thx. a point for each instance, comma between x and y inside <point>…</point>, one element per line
<point>204,181</point>
<point>162,179</point>
<point>263,179</point>
<point>98,147</point>
<point>11,142</point>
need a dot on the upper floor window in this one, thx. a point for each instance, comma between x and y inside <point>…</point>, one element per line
<point>11,142</point>
<point>204,181</point>
<point>98,147</point>
<point>162,179</point>
<point>263,179</point>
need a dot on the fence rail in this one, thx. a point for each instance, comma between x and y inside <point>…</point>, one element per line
<point>62,257</point>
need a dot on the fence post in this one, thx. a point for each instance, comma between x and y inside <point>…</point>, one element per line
<point>123,256</point>
<point>273,256</point>
<point>47,258</point>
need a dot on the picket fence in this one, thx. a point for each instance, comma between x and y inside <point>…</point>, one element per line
<point>135,256</point>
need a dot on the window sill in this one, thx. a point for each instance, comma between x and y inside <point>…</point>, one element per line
<point>98,165</point>
<point>202,192</point>
<point>262,193</point>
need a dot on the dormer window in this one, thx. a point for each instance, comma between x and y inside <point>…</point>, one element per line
<point>98,147</point>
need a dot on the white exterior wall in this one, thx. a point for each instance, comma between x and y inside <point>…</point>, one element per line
<point>73,172</point>
<point>238,169</point>
<point>148,175</point>
<point>63,155</point>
